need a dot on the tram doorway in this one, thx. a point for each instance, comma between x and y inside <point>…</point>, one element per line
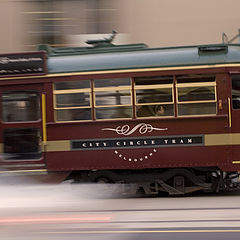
<point>22,123</point>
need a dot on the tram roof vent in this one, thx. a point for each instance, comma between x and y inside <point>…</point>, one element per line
<point>213,49</point>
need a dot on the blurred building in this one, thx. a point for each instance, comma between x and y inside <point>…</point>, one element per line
<point>158,23</point>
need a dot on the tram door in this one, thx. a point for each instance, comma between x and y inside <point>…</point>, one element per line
<point>236,102</point>
<point>21,125</point>
<point>235,117</point>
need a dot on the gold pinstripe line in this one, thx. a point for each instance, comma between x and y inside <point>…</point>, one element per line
<point>145,231</point>
<point>126,71</point>
<point>209,140</point>
<point>235,162</point>
<point>226,139</point>
<point>41,171</point>
<point>222,139</point>
<point>44,126</point>
<point>59,145</point>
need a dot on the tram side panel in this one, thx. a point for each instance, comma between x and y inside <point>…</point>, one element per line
<point>166,144</point>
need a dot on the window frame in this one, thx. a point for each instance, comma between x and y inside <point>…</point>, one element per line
<point>109,89</point>
<point>196,84</point>
<point>26,110</point>
<point>155,86</point>
<point>71,91</point>
<point>199,80</point>
<point>235,92</point>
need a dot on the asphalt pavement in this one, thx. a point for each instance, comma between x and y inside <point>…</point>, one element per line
<point>90,212</point>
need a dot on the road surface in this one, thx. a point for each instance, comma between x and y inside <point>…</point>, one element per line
<point>67,212</point>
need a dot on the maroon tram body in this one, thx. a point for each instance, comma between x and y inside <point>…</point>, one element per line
<point>74,114</point>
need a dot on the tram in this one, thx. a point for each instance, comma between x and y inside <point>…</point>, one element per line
<point>163,119</point>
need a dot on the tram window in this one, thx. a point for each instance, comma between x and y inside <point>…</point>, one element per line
<point>73,114</point>
<point>72,85</point>
<point>152,80</point>
<point>196,95</point>
<point>113,98</point>
<point>22,144</point>
<point>154,96</point>
<point>72,100</point>
<point>19,106</point>
<point>197,109</point>
<point>195,78</point>
<point>236,91</point>
<point>117,97</point>
<point>112,112</point>
<point>115,82</point>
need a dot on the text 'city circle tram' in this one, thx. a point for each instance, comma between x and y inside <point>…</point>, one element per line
<point>158,119</point>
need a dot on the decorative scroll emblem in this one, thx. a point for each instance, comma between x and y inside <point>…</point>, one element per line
<point>141,127</point>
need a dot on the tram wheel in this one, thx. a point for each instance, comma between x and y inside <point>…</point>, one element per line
<point>102,180</point>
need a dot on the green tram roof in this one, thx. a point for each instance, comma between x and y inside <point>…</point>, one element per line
<point>137,56</point>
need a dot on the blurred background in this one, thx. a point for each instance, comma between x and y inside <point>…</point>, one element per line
<point>69,211</point>
<point>158,23</point>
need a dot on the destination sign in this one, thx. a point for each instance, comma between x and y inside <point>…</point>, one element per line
<point>22,64</point>
<point>143,142</point>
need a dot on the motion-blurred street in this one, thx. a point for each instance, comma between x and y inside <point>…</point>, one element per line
<point>71,211</point>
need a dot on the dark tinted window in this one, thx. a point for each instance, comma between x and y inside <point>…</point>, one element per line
<point>22,144</point>
<point>236,91</point>
<point>20,106</point>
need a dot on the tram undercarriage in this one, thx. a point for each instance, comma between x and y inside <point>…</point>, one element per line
<point>175,182</point>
